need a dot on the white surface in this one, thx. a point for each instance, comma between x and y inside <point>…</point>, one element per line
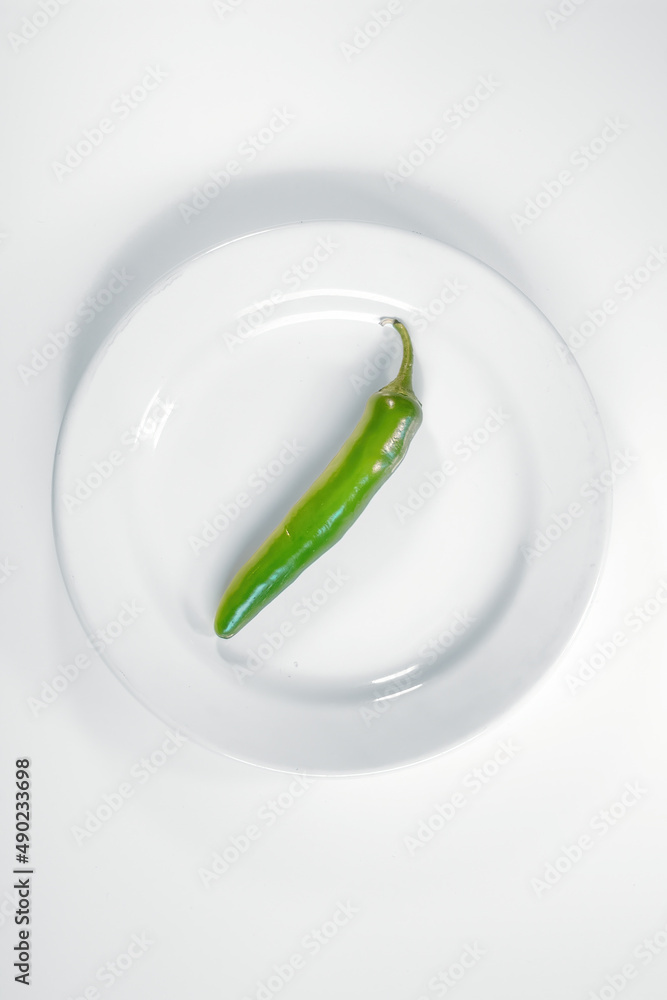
<point>207,413</point>
<point>570,748</point>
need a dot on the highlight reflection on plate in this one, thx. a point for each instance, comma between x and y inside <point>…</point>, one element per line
<point>213,407</point>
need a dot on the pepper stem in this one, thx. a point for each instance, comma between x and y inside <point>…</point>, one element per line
<point>403,381</point>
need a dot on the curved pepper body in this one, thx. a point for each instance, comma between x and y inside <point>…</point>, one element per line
<point>332,504</point>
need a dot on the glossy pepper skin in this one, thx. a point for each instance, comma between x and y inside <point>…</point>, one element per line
<point>333,503</point>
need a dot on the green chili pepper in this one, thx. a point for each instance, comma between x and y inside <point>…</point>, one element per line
<point>324,513</point>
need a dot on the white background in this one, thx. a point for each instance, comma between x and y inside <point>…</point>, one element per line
<point>359,104</point>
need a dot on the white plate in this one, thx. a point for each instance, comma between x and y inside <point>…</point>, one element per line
<point>216,403</point>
